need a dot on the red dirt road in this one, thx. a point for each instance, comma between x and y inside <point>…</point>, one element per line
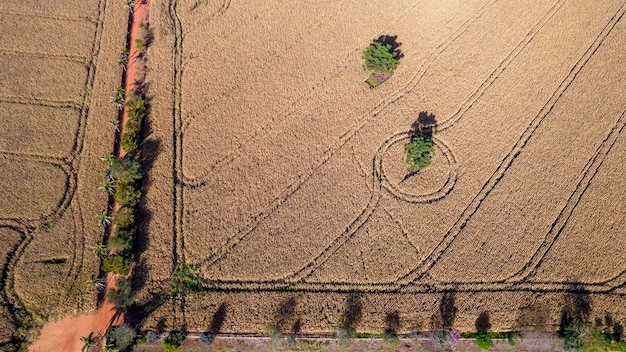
<point>65,335</point>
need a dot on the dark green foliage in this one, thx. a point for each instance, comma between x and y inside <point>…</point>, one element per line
<point>122,296</point>
<point>117,263</point>
<point>390,337</point>
<point>174,340</point>
<point>380,57</point>
<point>126,195</point>
<point>121,241</point>
<point>483,340</point>
<point>126,170</point>
<point>418,153</point>
<point>121,337</point>
<point>185,279</point>
<point>124,218</point>
<point>136,109</point>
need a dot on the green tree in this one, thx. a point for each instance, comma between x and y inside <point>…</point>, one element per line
<point>380,57</point>
<point>483,340</point>
<point>121,241</point>
<point>418,153</point>
<point>124,218</point>
<point>118,263</point>
<point>126,170</point>
<point>127,195</point>
<point>174,340</point>
<point>107,187</point>
<point>122,295</point>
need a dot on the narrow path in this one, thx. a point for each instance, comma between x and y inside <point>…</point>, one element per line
<point>65,335</point>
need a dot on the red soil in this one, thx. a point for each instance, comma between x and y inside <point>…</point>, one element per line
<point>65,335</point>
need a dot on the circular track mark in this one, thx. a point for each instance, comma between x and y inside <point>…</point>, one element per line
<point>428,185</point>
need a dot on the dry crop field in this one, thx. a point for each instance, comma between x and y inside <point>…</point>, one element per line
<point>280,173</point>
<point>59,61</point>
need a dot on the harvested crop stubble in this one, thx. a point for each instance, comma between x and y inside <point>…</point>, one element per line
<point>290,190</point>
<point>57,129</point>
<point>63,9</point>
<point>36,189</point>
<point>9,239</point>
<point>46,36</point>
<point>24,132</point>
<point>42,78</point>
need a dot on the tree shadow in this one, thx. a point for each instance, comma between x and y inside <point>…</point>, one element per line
<point>393,41</point>
<point>534,317</point>
<point>482,322</point>
<point>576,308</point>
<point>423,126</point>
<point>217,321</point>
<point>285,313</point>
<point>392,320</point>
<point>353,312</point>
<point>447,310</point>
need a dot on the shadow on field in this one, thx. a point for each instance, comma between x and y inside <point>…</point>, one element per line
<point>218,319</point>
<point>447,312</point>
<point>576,308</point>
<point>482,322</point>
<point>353,312</point>
<point>285,314</point>
<point>392,321</point>
<point>393,41</point>
<point>423,126</point>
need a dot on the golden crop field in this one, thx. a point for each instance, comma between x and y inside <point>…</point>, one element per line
<point>280,174</point>
<point>59,62</point>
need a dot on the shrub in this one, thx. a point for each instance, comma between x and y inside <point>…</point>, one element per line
<point>121,337</point>
<point>129,142</point>
<point>122,296</point>
<point>117,263</point>
<point>207,338</point>
<point>344,336</point>
<point>276,337</point>
<point>483,340</point>
<point>124,218</point>
<point>120,242</point>
<point>152,337</point>
<point>418,153</point>
<point>390,337</point>
<point>174,340</point>
<point>126,195</point>
<point>126,170</point>
<point>136,109</point>
<point>380,57</point>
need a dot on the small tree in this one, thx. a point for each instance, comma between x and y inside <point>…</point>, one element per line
<point>127,195</point>
<point>100,250</point>
<point>120,242</point>
<point>118,263</point>
<point>174,340</point>
<point>121,337</point>
<point>126,170</point>
<point>380,58</point>
<point>418,153</point>
<point>124,218</point>
<point>104,218</point>
<point>88,342</point>
<point>122,296</point>
<point>95,283</point>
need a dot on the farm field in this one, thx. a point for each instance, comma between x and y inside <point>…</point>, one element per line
<point>60,69</point>
<point>280,173</point>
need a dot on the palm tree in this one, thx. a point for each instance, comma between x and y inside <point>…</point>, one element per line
<point>109,158</point>
<point>88,341</point>
<point>116,123</point>
<point>105,218</point>
<point>118,98</point>
<point>95,283</point>
<point>107,187</point>
<point>100,250</point>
